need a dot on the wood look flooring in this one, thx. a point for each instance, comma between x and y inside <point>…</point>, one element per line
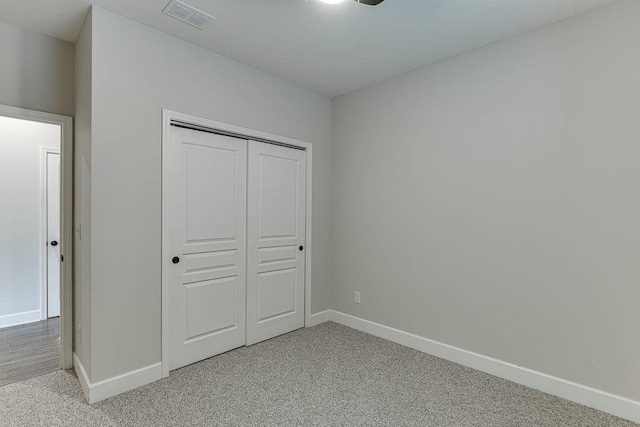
<point>29,350</point>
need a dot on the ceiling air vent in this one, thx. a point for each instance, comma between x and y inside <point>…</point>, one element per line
<point>188,14</point>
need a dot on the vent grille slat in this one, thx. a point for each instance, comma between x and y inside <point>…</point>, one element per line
<point>187,14</point>
<point>198,19</point>
<point>180,12</point>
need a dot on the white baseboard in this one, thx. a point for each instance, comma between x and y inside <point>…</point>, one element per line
<point>19,318</point>
<point>320,317</point>
<point>584,395</point>
<point>101,390</point>
<point>82,375</point>
<point>95,392</point>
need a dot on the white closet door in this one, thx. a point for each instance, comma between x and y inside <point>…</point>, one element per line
<point>275,240</point>
<point>206,211</point>
<point>53,235</point>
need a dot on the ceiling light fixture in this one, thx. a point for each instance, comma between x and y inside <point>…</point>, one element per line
<point>332,1</point>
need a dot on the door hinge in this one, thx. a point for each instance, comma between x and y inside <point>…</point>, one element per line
<point>61,258</point>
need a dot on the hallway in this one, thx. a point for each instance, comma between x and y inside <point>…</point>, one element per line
<point>29,350</point>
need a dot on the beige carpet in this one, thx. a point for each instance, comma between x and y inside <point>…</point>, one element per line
<point>328,375</point>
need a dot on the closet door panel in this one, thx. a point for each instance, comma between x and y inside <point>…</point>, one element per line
<point>206,244</point>
<point>276,202</point>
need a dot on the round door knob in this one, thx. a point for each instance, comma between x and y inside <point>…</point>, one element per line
<point>54,243</point>
<point>175,260</point>
<point>301,247</point>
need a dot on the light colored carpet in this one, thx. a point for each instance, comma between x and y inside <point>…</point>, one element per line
<point>328,375</point>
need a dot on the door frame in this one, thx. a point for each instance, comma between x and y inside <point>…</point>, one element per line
<point>169,117</point>
<point>44,209</point>
<point>66,220</point>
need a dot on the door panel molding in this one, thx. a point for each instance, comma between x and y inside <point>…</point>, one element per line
<point>212,126</point>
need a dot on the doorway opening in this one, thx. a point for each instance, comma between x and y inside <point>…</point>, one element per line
<point>35,259</point>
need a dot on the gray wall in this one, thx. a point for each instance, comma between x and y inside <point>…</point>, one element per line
<point>490,201</point>
<point>82,194</point>
<point>138,71</point>
<point>21,215</point>
<point>36,70</point>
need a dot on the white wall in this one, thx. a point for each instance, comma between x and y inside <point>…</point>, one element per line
<point>490,201</point>
<point>138,71</point>
<point>36,70</point>
<point>36,73</point>
<point>21,217</point>
<point>82,194</point>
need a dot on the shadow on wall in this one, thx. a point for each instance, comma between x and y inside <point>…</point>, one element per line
<point>37,71</point>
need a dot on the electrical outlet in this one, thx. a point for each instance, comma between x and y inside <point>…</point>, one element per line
<point>79,333</point>
<point>78,231</point>
<point>356,297</point>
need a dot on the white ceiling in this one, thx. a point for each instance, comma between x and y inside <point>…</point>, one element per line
<point>331,49</point>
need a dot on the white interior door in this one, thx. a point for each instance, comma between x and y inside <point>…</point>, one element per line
<point>206,242</point>
<point>53,234</point>
<point>275,240</point>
